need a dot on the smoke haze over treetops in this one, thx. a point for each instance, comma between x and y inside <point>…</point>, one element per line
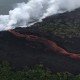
<point>26,14</point>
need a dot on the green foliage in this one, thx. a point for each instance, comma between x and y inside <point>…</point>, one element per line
<point>36,73</point>
<point>60,27</point>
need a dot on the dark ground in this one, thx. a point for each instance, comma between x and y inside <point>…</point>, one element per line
<point>21,53</point>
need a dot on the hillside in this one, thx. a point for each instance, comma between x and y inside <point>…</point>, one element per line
<point>65,25</point>
<point>63,29</point>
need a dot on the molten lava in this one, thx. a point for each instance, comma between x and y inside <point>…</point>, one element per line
<point>50,44</point>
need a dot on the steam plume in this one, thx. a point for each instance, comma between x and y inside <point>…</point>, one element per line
<point>26,14</point>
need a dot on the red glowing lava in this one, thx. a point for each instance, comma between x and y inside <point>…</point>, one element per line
<point>50,44</point>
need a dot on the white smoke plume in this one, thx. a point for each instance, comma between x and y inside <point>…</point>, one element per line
<point>26,14</point>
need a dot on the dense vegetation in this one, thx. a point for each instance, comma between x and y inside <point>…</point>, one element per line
<point>67,24</point>
<point>36,73</point>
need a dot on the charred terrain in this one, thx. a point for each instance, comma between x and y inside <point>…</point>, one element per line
<point>62,29</point>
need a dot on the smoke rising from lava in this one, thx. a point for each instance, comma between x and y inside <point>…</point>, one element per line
<point>26,14</point>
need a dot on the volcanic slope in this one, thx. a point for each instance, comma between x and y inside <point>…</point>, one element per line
<point>63,29</point>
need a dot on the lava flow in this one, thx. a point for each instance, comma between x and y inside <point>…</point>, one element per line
<point>50,44</point>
